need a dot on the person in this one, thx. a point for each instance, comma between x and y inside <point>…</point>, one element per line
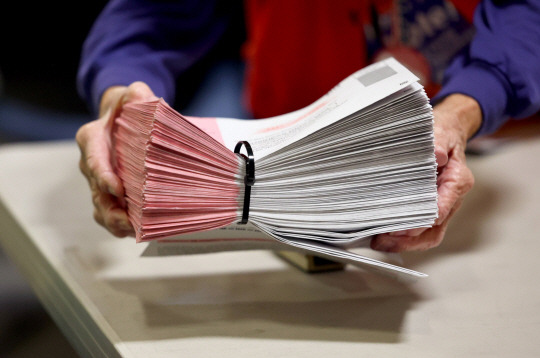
<point>477,58</point>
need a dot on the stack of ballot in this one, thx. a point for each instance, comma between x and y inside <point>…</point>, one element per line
<point>357,162</point>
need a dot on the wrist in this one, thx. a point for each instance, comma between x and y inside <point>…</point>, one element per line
<point>461,113</point>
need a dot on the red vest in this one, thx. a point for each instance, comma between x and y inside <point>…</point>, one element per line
<point>297,50</point>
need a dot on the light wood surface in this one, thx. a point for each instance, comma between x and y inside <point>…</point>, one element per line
<point>482,298</point>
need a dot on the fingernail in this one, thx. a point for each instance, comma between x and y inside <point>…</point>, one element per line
<point>111,191</point>
<point>125,226</point>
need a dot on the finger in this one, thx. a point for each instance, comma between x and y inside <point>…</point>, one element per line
<point>454,181</point>
<point>84,168</point>
<point>109,214</point>
<point>430,238</point>
<point>427,240</point>
<point>442,146</point>
<point>95,158</point>
<point>81,138</point>
<point>106,179</point>
<point>118,223</point>
<point>441,156</point>
<point>98,217</point>
<point>409,232</point>
<point>116,231</point>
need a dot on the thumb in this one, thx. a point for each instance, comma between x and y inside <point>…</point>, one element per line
<point>442,146</point>
<point>138,92</point>
<point>135,92</point>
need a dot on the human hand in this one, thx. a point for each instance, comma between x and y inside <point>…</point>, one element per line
<point>457,118</point>
<point>94,140</point>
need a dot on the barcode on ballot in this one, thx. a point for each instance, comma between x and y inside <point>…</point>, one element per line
<point>379,74</point>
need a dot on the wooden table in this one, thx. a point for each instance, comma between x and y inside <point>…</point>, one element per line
<point>482,298</point>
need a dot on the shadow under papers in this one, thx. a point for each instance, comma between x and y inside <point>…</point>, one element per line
<point>267,305</point>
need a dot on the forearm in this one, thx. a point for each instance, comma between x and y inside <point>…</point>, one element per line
<point>148,41</point>
<point>460,113</point>
<point>500,68</point>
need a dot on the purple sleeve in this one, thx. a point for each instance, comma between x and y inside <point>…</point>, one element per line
<point>149,41</point>
<point>501,67</point>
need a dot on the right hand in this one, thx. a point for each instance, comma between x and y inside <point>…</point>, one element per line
<point>94,140</point>
<point>457,118</point>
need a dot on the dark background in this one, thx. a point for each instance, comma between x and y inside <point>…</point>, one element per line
<point>41,45</point>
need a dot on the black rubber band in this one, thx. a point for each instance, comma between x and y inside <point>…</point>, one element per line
<point>249,179</point>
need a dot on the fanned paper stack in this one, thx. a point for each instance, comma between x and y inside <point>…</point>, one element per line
<point>357,162</point>
<point>177,178</point>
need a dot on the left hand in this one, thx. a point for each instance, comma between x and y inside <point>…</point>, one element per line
<point>94,140</point>
<point>457,118</point>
